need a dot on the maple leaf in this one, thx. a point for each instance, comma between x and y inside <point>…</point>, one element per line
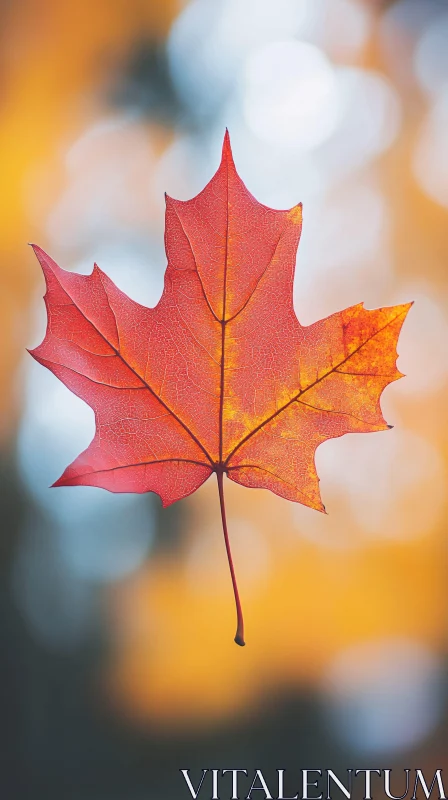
<point>219,377</point>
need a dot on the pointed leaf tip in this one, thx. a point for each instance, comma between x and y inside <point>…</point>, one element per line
<point>40,254</point>
<point>227,154</point>
<point>295,214</point>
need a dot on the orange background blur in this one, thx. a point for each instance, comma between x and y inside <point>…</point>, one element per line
<point>118,665</point>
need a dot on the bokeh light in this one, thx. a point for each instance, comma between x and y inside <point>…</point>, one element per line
<point>384,695</point>
<point>430,159</point>
<point>289,94</point>
<point>431,59</point>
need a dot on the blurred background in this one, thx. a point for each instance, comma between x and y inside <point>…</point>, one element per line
<point>117,662</point>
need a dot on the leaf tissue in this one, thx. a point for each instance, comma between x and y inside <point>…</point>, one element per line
<point>220,377</point>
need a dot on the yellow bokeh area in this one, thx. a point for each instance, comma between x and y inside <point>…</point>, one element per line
<point>55,59</point>
<point>121,610</point>
<point>303,605</point>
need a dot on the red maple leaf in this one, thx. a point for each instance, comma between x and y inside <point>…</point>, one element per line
<point>219,377</point>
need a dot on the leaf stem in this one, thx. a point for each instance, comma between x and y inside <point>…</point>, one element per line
<point>239,636</point>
